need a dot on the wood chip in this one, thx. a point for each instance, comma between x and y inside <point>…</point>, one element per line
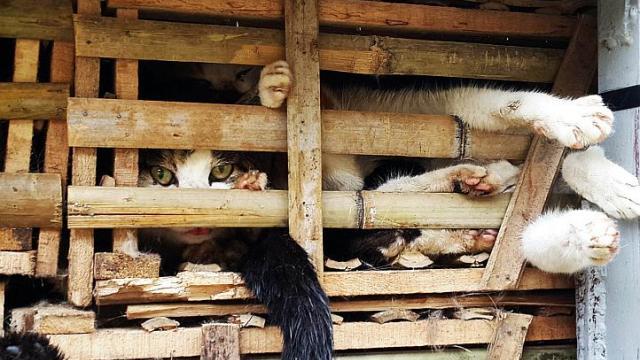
<point>160,323</point>
<point>472,260</point>
<point>343,265</point>
<point>337,319</point>
<point>189,266</point>
<point>413,260</point>
<point>247,320</point>
<point>394,314</point>
<point>475,313</point>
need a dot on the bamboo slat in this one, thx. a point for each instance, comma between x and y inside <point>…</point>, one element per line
<point>175,125</point>
<point>30,200</point>
<point>395,18</point>
<point>157,40</point>
<point>107,207</point>
<point>36,19</point>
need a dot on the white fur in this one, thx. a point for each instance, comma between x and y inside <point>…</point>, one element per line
<point>602,182</point>
<point>569,241</point>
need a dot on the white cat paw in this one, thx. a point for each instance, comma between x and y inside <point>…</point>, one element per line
<point>578,123</point>
<point>251,180</point>
<point>494,178</point>
<point>275,83</point>
<point>482,240</point>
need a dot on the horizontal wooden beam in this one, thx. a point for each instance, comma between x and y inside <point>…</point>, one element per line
<point>30,200</point>
<point>156,40</point>
<point>18,262</point>
<point>188,286</point>
<point>419,302</point>
<point>176,125</point>
<point>36,19</point>
<point>33,100</point>
<point>123,343</point>
<point>133,207</point>
<point>393,18</point>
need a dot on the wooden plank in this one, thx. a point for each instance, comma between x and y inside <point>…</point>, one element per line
<point>574,78</point>
<point>191,286</point>
<point>378,16</point>
<point>175,125</point>
<point>510,334</point>
<point>125,161</point>
<point>30,200</point>
<point>17,262</point>
<point>304,149</point>
<point>56,158</point>
<point>220,342</point>
<point>53,319</point>
<point>157,40</point>
<point>87,83</point>
<point>119,265</point>
<point>106,207</point>
<point>185,342</point>
<point>3,285</point>
<point>420,302</point>
<point>36,19</point>
<point>33,100</point>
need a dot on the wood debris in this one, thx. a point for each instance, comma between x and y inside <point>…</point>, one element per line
<point>160,323</point>
<point>108,181</point>
<point>413,260</point>
<point>343,265</point>
<point>337,319</point>
<point>475,313</point>
<point>475,260</point>
<point>47,318</point>
<point>247,320</point>
<point>189,266</point>
<point>394,314</point>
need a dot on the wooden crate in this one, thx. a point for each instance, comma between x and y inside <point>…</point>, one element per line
<point>125,123</point>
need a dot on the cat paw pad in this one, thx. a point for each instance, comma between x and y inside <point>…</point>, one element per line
<point>467,179</point>
<point>482,240</point>
<point>252,180</point>
<point>603,244</point>
<point>275,83</point>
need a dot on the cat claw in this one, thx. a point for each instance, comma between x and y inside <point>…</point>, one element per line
<point>275,84</point>
<point>252,180</point>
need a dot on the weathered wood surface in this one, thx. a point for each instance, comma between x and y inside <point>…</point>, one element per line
<point>17,262</point>
<point>156,40</point>
<point>175,125</point>
<point>220,342</point>
<point>510,334</point>
<point>184,342</point>
<point>378,16</point>
<point>559,298</point>
<point>3,285</point>
<point>574,79</point>
<point>188,286</point>
<point>30,200</point>
<point>33,100</point>
<point>53,319</point>
<point>118,265</point>
<point>36,19</point>
<point>105,207</point>
<point>87,84</point>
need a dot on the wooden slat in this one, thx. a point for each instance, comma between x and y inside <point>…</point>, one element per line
<point>508,341</point>
<point>220,342</point>
<point>184,342</point>
<point>33,101</point>
<point>52,319</point>
<point>378,16</point>
<point>107,207</point>
<point>30,200</point>
<point>36,19</point>
<point>416,302</point>
<point>189,286</point>
<point>17,262</point>
<point>87,83</point>
<point>575,76</point>
<point>157,40</point>
<point>175,125</point>
<point>3,285</point>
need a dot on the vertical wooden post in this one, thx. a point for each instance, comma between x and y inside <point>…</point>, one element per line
<point>19,137</point>
<point>87,78</point>
<point>508,340</point>
<point>56,158</point>
<point>3,286</point>
<point>220,342</point>
<point>125,161</point>
<point>575,75</point>
<point>303,128</point>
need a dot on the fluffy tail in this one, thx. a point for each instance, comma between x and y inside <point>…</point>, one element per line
<point>279,273</point>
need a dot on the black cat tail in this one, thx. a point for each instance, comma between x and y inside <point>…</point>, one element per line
<point>280,275</point>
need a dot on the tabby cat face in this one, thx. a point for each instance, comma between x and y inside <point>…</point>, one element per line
<point>192,169</point>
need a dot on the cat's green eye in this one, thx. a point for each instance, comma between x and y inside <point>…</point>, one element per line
<point>220,173</point>
<point>162,175</point>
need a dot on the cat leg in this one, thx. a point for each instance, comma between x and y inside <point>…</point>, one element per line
<point>274,84</point>
<point>452,242</point>
<point>569,241</point>
<point>574,123</point>
<point>597,179</point>
<point>469,179</point>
